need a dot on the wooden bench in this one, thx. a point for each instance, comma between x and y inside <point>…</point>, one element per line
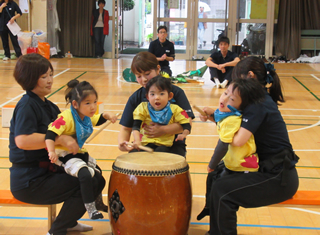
<point>7,199</point>
<point>310,198</point>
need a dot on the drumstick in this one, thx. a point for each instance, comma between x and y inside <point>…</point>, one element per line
<point>199,110</point>
<point>145,148</point>
<point>107,123</point>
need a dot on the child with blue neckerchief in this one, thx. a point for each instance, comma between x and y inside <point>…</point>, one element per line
<point>239,94</point>
<point>158,109</point>
<point>78,121</point>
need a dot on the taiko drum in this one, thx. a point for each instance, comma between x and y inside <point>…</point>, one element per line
<point>150,193</point>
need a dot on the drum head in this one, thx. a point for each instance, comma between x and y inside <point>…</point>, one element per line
<point>150,164</point>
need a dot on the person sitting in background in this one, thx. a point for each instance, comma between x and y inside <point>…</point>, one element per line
<point>163,49</point>
<point>221,63</point>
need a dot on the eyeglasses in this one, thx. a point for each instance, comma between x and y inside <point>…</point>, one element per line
<point>162,32</point>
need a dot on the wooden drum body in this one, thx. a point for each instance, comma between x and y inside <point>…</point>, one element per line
<point>150,193</point>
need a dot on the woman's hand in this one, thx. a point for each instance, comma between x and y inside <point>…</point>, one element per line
<point>11,21</point>
<point>209,169</point>
<point>69,142</point>
<point>154,130</point>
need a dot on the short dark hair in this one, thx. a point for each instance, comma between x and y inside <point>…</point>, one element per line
<point>102,1</point>
<point>162,27</point>
<point>250,91</point>
<point>29,69</point>
<point>224,39</point>
<point>162,83</point>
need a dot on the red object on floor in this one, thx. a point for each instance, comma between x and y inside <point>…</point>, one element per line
<point>32,50</point>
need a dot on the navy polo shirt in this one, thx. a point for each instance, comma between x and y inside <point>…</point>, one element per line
<point>265,122</point>
<point>140,95</point>
<point>31,115</point>
<point>217,57</point>
<point>158,49</point>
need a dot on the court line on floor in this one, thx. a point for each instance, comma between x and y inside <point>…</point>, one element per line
<point>13,99</point>
<point>188,148</point>
<point>307,127</point>
<point>307,88</point>
<point>65,85</point>
<point>315,77</point>
<point>304,210</point>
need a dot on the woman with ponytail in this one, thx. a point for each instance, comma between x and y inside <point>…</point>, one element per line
<point>277,178</point>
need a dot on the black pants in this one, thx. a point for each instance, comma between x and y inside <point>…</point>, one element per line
<point>53,188</point>
<point>250,190</point>
<point>5,42</point>
<point>86,185</point>
<point>216,73</point>
<point>99,41</point>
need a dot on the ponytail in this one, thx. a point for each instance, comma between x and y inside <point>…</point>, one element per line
<point>78,91</point>
<point>275,90</point>
<point>265,73</point>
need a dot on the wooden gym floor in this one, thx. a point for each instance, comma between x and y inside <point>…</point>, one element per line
<point>301,112</point>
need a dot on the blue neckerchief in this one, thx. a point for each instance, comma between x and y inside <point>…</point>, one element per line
<point>172,101</point>
<point>163,116</point>
<point>83,127</point>
<point>219,116</point>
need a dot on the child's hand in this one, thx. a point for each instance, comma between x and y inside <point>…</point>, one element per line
<point>208,111</point>
<point>113,118</point>
<point>181,137</point>
<point>125,146</point>
<point>209,169</point>
<point>109,116</point>
<point>53,157</point>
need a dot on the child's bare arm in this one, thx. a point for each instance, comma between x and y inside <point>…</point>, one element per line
<point>51,150</point>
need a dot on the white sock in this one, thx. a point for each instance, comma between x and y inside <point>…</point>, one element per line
<point>217,82</point>
<point>224,84</point>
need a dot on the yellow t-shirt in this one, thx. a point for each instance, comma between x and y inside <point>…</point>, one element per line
<point>142,113</point>
<point>64,125</point>
<point>242,158</point>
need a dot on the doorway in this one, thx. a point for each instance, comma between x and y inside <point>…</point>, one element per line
<point>194,26</point>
